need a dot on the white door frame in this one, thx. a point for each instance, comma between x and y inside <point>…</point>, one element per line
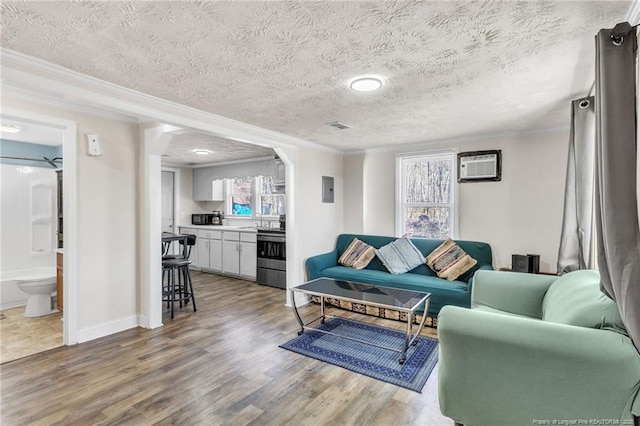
<point>70,191</point>
<point>176,195</point>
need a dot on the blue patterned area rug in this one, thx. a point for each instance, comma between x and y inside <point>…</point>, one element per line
<point>381,364</point>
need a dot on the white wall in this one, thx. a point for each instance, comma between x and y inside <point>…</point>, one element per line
<point>353,193</point>
<point>519,215</point>
<point>107,220</point>
<point>317,224</point>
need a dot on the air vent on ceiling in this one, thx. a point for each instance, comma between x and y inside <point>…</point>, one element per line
<point>339,125</point>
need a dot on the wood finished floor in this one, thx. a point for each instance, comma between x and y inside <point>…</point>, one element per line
<point>218,366</point>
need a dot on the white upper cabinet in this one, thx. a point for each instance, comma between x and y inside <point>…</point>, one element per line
<point>204,187</point>
<point>279,172</point>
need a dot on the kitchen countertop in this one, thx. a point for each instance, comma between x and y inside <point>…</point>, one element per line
<point>222,228</point>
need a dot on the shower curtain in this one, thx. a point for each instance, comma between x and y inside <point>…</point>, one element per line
<point>577,224</point>
<point>616,213</point>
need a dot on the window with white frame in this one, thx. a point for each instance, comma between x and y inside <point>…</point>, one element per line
<point>240,200</point>
<point>253,197</point>
<point>426,202</point>
<point>271,204</point>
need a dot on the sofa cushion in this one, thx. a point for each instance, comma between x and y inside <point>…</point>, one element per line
<point>449,261</point>
<point>357,255</point>
<point>442,292</point>
<point>400,256</point>
<point>576,299</point>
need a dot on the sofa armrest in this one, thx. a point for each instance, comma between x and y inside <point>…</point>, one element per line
<point>499,369</point>
<point>481,268</point>
<point>315,264</point>
<point>512,292</point>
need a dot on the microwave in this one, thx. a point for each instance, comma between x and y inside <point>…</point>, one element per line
<point>207,218</point>
<point>202,219</point>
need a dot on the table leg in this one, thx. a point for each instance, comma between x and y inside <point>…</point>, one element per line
<point>424,320</point>
<point>322,311</point>
<point>407,339</point>
<point>296,313</point>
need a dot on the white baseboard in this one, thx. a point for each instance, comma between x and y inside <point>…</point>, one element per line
<point>143,321</point>
<point>107,328</point>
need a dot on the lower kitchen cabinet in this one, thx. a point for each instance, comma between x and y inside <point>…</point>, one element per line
<point>227,252</point>
<point>248,258</point>
<point>177,249</point>
<point>209,250</point>
<point>231,257</point>
<point>239,254</point>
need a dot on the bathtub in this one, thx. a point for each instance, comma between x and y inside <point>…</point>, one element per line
<point>10,295</point>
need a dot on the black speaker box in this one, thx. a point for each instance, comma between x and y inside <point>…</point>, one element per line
<point>525,263</point>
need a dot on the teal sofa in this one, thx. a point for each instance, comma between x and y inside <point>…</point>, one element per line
<point>537,349</point>
<point>422,278</point>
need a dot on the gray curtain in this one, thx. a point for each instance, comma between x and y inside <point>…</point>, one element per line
<point>577,224</point>
<point>617,228</point>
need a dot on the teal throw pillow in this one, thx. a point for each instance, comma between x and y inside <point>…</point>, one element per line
<point>400,256</point>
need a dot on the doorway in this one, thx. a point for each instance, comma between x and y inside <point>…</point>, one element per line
<point>67,129</point>
<point>168,185</point>
<point>31,163</point>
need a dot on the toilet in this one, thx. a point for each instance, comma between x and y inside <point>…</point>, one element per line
<point>39,288</point>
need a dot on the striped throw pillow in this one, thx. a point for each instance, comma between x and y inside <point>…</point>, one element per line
<point>400,256</point>
<point>357,255</point>
<point>449,261</point>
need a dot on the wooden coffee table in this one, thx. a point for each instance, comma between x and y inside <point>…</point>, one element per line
<point>382,297</point>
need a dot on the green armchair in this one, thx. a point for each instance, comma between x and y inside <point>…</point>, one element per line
<point>536,349</point>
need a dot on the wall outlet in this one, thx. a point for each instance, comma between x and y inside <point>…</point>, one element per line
<point>93,146</point>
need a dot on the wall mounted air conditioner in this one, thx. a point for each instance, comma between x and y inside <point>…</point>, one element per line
<point>476,166</point>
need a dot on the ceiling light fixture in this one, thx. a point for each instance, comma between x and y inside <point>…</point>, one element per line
<point>9,129</point>
<point>366,84</point>
<point>201,151</point>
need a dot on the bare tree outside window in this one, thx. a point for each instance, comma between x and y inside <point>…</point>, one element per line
<point>427,195</point>
<point>241,196</point>
<point>270,204</point>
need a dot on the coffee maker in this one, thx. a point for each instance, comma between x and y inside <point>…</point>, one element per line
<point>217,217</point>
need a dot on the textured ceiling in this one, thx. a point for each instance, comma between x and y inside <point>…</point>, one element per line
<point>180,151</point>
<point>32,133</point>
<point>451,68</point>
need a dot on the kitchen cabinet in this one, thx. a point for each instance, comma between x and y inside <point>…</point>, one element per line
<point>209,250</point>
<point>59,280</point>
<point>239,254</point>
<point>177,248</point>
<point>279,173</point>
<point>205,188</point>
<point>248,255</point>
<point>231,253</point>
<point>279,178</point>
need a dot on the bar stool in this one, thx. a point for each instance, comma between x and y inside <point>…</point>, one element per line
<point>178,286</point>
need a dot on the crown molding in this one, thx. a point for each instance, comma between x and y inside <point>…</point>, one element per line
<point>48,100</point>
<point>453,142</point>
<point>25,74</point>
<point>226,163</point>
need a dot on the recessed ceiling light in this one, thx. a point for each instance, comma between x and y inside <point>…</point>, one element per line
<point>366,84</point>
<point>201,151</point>
<point>9,129</point>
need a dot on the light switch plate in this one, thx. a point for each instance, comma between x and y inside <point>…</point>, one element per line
<point>93,146</point>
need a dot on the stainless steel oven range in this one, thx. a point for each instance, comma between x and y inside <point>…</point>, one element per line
<point>272,257</point>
